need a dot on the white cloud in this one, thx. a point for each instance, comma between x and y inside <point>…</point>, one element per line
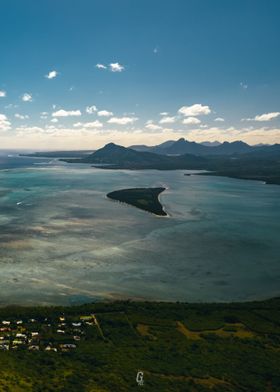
<point>101,66</point>
<point>44,115</point>
<point>51,75</point>
<point>5,124</point>
<point>191,121</point>
<point>104,113</point>
<point>26,97</point>
<point>122,120</point>
<point>263,117</point>
<point>167,120</point>
<point>194,110</point>
<point>267,116</point>
<point>116,67</point>
<point>164,113</point>
<point>54,120</point>
<point>219,119</point>
<point>84,138</point>
<point>93,124</point>
<point>91,109</point>
<point>243,85</point>
<point>152,127</point>
<point>3,94</point>
<point>21,116</point>
<point>66,113</point>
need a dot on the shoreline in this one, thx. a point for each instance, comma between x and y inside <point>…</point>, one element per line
<point>139,300</point>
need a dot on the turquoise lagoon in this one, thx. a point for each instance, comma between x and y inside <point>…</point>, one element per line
<point>63,242</point>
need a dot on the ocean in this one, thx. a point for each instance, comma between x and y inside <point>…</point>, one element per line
<point>63,242</point>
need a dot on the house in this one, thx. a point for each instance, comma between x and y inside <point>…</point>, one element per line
<point>60,331</point>
<point>17,342</point>
<point>76,324</point>
<point>6,322</point>
<point>32,320</point>
<point>34,348</point>
<point>67,345</point>
<point>61,318</point>
<point>21,335</point>
<point>19,322</point>
<point>49,348</point>
<point>6,329</point>
<point>76,338</point>
<point>34,334</point>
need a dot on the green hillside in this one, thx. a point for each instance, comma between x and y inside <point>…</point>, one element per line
<point>178,347</point>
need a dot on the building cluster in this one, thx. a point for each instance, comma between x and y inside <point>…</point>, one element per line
<point>60,334</point>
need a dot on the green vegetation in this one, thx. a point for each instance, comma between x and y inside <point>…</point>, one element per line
<point>144,198</point>
<point>260,166</point>
<point>179,347</point>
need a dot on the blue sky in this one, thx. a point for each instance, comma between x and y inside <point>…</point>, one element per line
<point>216,59</point>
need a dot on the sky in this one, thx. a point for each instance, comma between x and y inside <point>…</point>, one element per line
<point>80,74</point>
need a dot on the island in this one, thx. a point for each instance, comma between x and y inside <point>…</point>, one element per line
<point>144,198</point>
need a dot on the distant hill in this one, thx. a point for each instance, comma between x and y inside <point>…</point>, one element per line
<point>227,148</point>
<point>143,147</point>
<point>183,146</point>
<point>211,144</point>
<point>59,154</point>
<point>113,155</point>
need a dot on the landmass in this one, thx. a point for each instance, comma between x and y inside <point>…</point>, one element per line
<point>236,160</point>
<point>144,198</point>
<point>58,154</point>
<point>259,164</point>
<point>178,347</point>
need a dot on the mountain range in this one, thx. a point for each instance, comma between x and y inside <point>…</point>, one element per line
<point>113,155</point>
<point>260,163</point>
<point>183,146</point>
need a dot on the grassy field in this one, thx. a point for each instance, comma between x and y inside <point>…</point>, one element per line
<point>178,347</point>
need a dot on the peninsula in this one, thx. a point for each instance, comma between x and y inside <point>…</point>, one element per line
<point>144,198</point>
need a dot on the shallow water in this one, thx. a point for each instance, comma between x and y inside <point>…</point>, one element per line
<point>63,242</point>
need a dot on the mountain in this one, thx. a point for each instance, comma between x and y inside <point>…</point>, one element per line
<point>183,146</point>
<point>140,147</point>
<point>261,164</point>
<point>211,144</point>
<point>118,155</point>
<point>143,147</point>
<point>227,148</point>
<point>115,156</point>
